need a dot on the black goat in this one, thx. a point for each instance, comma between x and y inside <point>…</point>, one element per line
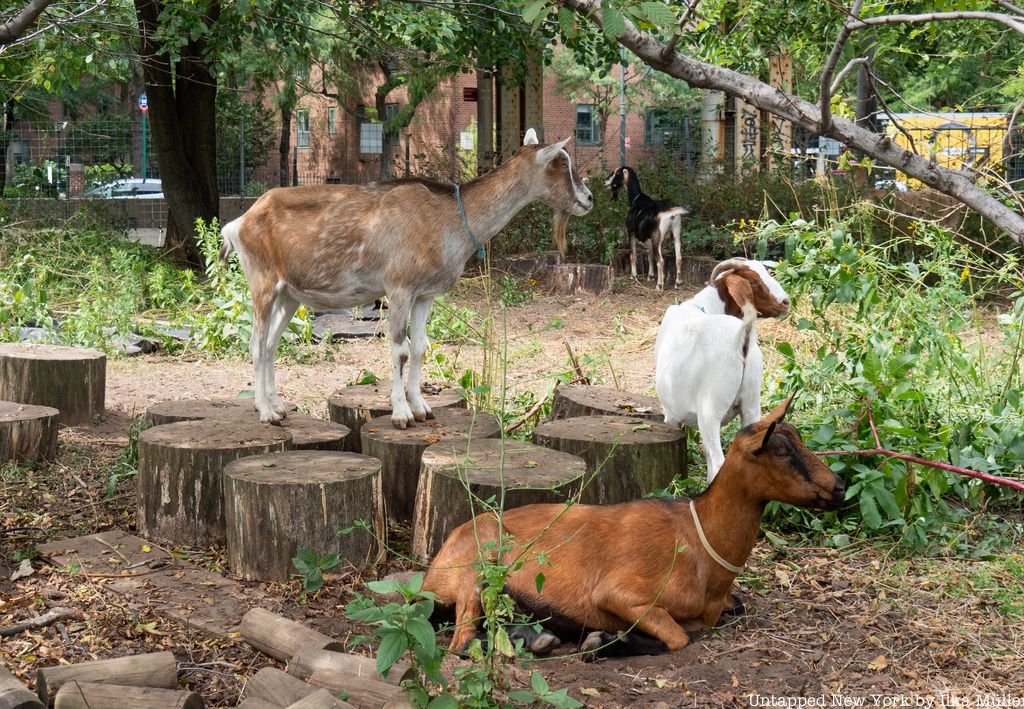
<point>650,221</point>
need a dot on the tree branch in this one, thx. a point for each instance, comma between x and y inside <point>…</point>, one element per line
<point>825,91</point>
<point>698,74</point>
<point>845,71</point>
<point>48,618</point>
<point>1010,7</point>
<point>1012,23</point>
<point>19,24</point>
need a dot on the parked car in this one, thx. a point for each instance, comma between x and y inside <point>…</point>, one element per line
<point>127,188</point>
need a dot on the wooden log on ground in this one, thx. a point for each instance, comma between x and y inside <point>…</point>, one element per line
<point>254,703</point>
<point>627,458</point>
<point>592,400</point>
<point>277,687</point>
<point>180,494</point>
<point>400,450</point>
<point>355,405</point>
<point>277,503</point>
<point>330,660</point>
<point>279,637</point>
<point>27,432</point>
<point>320,699</point>
<point>152,669</point>
<point>364,692</point>
<point>452,471</point>
<point>14,695</point>
<point>92,695</point>
<point>177,410</point>
<point>69,379</point>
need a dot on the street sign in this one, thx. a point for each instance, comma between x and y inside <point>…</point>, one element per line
<point>143,102</point>
<point>627,141</point>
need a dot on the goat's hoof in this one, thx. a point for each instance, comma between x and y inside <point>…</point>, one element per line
<point>594,643</point>
<point>402,423</point>
<point>543,643</point>
<point>419,416</point>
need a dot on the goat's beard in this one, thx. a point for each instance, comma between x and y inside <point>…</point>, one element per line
<point>561,228</point>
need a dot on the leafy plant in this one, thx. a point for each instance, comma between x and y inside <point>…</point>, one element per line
<point>127,464</point>
<point>311,565</point>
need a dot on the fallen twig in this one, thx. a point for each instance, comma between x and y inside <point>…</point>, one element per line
<point>535,409</point>
<point>48,618</point>
<point>880,450</point>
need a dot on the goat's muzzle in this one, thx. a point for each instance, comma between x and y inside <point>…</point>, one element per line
<point>835,499</point>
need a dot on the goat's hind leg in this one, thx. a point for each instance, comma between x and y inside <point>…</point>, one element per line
<point>281,312</point>
<point>398,311</point>
<point>418,340</point>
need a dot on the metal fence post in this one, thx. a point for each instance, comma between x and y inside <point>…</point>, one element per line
<point>241,158</point>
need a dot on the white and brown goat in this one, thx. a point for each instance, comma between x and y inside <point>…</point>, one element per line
<point>338,246</point>
<point>649,221</point>
<point>708,365</point>
<point>636,577</point>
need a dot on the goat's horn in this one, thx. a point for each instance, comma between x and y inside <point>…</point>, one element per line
<point>727,265</point>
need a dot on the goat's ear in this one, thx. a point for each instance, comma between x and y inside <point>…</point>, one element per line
<point>531,137</point>
<point>723,274</point>
<point>549,152</point>
<point>739,289</point>
<point>767,437</point>
<point>773,419</point>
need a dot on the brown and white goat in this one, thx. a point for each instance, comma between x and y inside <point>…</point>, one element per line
<point>338,246</point>
<point>637,574</point>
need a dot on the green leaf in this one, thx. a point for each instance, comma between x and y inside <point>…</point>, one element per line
<point>613,22</point>
<point>869,510</point>
<point>446,701</point>
<point>561,698</point>
<point>415,584</point>
<point>384,586</point>
<point>531,11</point>
<point>422,633</point>
<point>539,580</point>
<point>391,649</point>
<point>539,684</point>
<point>659,13</point>
<point>521,695</point>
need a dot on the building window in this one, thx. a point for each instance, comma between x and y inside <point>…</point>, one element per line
<point>586,131</point>
<point>654,132</point>
<point>302,128</point>
<point>371,135</point>
<point>332,120</point>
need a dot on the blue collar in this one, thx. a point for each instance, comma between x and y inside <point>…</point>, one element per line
<point>633,201</point>
<point>465,222</point>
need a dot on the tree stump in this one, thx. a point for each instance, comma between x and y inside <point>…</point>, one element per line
<point>69,379</point>
<point>181,466</point>
<point>400,450</point>
<point>14,695</point>
<point>198,409</point>
<point>313,434</point>
<point>27,432</point>
<point>576,278</point>
<point>452,471</point>
<point>590,400</point>
<point>355,405</point>
<point>627,458</point>
<point>280,502</point>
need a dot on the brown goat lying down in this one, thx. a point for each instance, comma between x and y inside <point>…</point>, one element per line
<point>637,566</point>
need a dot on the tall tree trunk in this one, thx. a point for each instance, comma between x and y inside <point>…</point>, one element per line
<point>182,112</point>
<point>6,133</point>
<point>286,144</point>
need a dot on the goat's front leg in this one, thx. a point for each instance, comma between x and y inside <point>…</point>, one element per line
<point>642,616</point>
<point>418,339</point>
<point>632,257</point>
<point>677,237</point>
<point>398,314</point>
<point>710,425</point>
<point>660,263</point>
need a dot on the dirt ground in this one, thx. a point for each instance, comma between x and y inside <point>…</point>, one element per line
<point>821,624</point>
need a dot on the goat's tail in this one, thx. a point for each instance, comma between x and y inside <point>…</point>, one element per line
<point>746,332</point>
<point>230,233</point>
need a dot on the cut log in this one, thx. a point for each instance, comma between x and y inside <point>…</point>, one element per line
<point>14,695</point>
<point>576,278</point>
<point>27,432</point>
<point>153,669</point>
<point>277,687</point>
<point>452,471</point>
<point>364,692</point>
<point>92,695</point>
<point>69,379</point>
<point>320,699</point>
<point>178,410</point>
<point>181,465</point>
<point>313,434</point>
<point>355,405</point>
<point>254,703</point>
<point>591,400</point>
<point>277,503</point>
<point>400,450</point>
<point>627,458</point>
<point>328,660</point>
<point>279,637</point>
